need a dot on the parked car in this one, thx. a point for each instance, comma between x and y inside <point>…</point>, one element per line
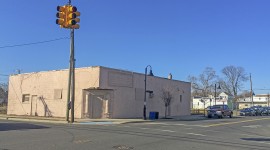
<point>257,109</point>
<point>219,111</point>
<point>247,112</point>
<point>208,108</point>
<point>266,111</point>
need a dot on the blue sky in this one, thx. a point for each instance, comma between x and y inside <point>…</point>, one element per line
<point>181,37</point>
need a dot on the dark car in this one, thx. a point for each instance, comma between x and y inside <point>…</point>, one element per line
<point>257,109</point>
<point>219,111</point>
<point>266,111</point>
<point>208,108</point>
<point>247,112</point>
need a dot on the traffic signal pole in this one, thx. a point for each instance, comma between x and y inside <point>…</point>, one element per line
<point>71,80</point>
<point>72,74</point>
<point>67,17</point>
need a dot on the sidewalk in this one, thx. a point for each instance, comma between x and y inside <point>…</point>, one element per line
<point>58,120</point>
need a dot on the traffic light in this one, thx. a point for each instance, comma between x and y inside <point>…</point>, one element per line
<point>61,15</point>
<point>72,19</point>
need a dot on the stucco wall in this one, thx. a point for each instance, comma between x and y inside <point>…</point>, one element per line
<point>124,89</point>
<point>129,93</point>
<point>43,84</point>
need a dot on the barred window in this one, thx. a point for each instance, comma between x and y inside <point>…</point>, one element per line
<point>25,98</point>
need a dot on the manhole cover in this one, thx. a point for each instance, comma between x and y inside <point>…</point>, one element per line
<point>122,147</point>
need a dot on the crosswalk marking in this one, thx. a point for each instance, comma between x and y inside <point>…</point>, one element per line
<point>252,126</point>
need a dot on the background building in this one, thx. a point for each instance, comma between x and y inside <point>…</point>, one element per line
<point>258,100</point>
<point>204,102</point>
<point>100,92</point>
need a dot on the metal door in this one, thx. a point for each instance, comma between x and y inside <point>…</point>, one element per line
<point>97,106</point>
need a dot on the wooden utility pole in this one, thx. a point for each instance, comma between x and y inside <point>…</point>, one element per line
<point>67,18</point>
<point>71,79</point>
<point>251,91</point>
<point>268,99</point>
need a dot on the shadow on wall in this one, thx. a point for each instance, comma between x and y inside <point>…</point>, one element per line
<point>19,126</point>
<point>47,112</point>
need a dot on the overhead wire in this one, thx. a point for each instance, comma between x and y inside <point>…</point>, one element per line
<point>33,43</point>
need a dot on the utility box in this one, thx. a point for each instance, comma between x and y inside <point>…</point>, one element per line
<point>153,115</point>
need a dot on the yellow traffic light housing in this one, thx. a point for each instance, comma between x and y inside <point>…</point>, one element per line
<point>61,15</point>
<point>72,19</point>
<point>67,17</point>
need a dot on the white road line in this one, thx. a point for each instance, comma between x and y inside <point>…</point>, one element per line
<point>167,131</point>
<point>144,128</point>
<point>252,126</point>
<point>186,125</point>
<point>196,134</point>
<point>167,124</point>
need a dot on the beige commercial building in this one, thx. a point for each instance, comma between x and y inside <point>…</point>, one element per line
<point>100,92</point>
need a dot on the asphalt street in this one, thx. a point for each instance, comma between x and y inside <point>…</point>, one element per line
<point>223,134</point>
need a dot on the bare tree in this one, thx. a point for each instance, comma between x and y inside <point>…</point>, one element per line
<point>234,77</point>
<point>166,96</point>
<point>3,91</point>
<point>203,85</point>
<point>3,98</point>
<point>244,94</point>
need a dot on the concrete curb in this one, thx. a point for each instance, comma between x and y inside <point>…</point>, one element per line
<point>36,120</point>
<point>96,121</point>
<point>62,121</point>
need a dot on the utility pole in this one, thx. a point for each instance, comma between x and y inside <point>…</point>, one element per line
<point>72,73</point>
<point>251,91</point>
<point>67,18</point>
<point>71,80</point>
<point>268,103</point>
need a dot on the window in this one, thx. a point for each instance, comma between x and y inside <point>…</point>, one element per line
<point>57,93</point>
<point>25,98</point>
<point>180,98</point>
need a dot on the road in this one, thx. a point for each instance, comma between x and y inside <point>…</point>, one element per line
<point>223,134</point>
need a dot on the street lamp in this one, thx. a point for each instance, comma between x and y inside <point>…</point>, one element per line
<point>145,76</point>
<point>216,92</point>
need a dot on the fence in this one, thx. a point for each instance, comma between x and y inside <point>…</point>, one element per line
<point>198,111</point>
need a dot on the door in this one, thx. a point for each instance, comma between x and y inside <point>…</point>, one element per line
<point>97,106</point>
<point>33,111</point>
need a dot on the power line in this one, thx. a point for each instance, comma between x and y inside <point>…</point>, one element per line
<point>262,89</point>
<point>33,43</point>
<point>4,75</point>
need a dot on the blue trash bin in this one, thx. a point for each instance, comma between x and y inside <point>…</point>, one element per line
<point>153,115</point>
